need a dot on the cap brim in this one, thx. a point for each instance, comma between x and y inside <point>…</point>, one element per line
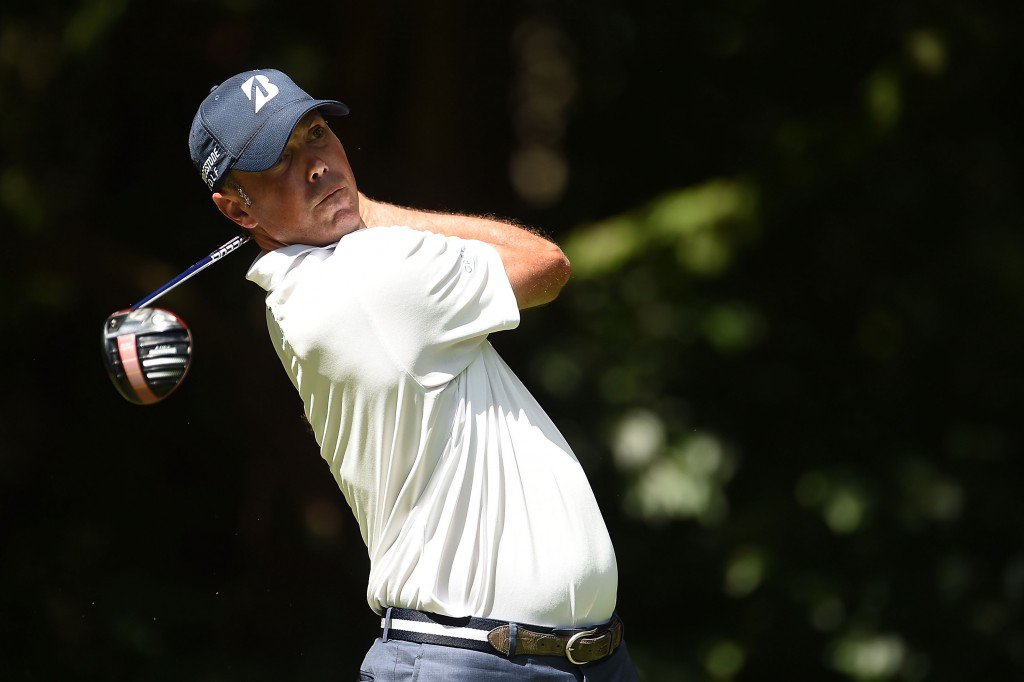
<point>265,148</point>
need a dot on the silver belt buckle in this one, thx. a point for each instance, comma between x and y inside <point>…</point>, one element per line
<point>572,641</point>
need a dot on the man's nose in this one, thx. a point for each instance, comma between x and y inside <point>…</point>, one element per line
<point>317,169</point>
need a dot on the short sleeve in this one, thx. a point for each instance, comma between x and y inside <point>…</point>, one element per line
<point>434,299</point>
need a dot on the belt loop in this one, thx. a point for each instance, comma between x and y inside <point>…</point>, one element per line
<point>513,632</point>
<point>387,624</point>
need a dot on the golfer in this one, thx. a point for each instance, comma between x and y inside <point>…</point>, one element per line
<point>489,558</point>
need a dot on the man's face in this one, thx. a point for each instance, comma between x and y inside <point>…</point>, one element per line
<point>309,196</point>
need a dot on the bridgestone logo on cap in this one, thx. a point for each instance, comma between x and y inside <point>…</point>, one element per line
<point>208,172</point>
<point>259,90</point>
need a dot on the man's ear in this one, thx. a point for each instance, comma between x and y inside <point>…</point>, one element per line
<point>234,209</point>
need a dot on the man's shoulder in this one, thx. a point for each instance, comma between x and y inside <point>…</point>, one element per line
<point>373,237</point>
<point>394,244</point>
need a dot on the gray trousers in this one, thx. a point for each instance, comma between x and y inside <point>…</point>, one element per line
<point>396,660</point>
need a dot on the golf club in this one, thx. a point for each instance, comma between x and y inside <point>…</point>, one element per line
<point>147,351</point>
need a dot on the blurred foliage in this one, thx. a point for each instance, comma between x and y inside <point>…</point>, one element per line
<point>789,358</point>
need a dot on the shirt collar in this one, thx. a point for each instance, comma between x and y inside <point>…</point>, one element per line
<point>270,267</point>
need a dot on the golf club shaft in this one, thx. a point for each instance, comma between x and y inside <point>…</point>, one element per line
<point>194,270</point>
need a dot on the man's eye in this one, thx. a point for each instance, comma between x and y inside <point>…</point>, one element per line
<point>317,132</point>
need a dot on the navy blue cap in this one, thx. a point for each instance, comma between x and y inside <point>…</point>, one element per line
<point>245,122</point>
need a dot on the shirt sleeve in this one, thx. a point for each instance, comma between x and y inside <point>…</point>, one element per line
<point>434,299</point>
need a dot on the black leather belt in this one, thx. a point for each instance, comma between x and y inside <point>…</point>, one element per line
<point>579,645</point>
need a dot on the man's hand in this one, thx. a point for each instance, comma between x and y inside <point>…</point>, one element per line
<point>536,267</point>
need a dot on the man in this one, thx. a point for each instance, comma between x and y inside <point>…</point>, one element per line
<point>489,558</point>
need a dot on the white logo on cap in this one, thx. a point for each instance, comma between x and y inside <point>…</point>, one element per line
<point>209,171</point>
<point>260,90</point>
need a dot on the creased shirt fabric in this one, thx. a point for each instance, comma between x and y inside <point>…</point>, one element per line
<point>468,498</point>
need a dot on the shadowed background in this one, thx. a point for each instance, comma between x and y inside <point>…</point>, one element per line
<point>788,358</point>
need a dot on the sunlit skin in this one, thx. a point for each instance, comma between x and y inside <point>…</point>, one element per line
<point>308,197</point>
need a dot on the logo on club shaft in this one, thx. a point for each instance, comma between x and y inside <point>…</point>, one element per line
<point>227,248</point>
<point>259,90</point>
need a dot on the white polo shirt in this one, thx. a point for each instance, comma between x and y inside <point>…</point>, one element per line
<point>469,500</point>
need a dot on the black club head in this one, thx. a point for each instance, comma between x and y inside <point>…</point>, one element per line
<point>147,353</point>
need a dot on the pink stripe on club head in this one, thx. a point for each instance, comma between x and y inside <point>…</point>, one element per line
<point>133,370</point>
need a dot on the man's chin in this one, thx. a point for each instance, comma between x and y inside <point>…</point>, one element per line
<point>344,222</point>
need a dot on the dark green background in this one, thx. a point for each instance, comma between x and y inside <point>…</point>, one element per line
<point>789,359</point>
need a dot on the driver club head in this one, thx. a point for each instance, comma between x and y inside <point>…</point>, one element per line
<point>147,352</point>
